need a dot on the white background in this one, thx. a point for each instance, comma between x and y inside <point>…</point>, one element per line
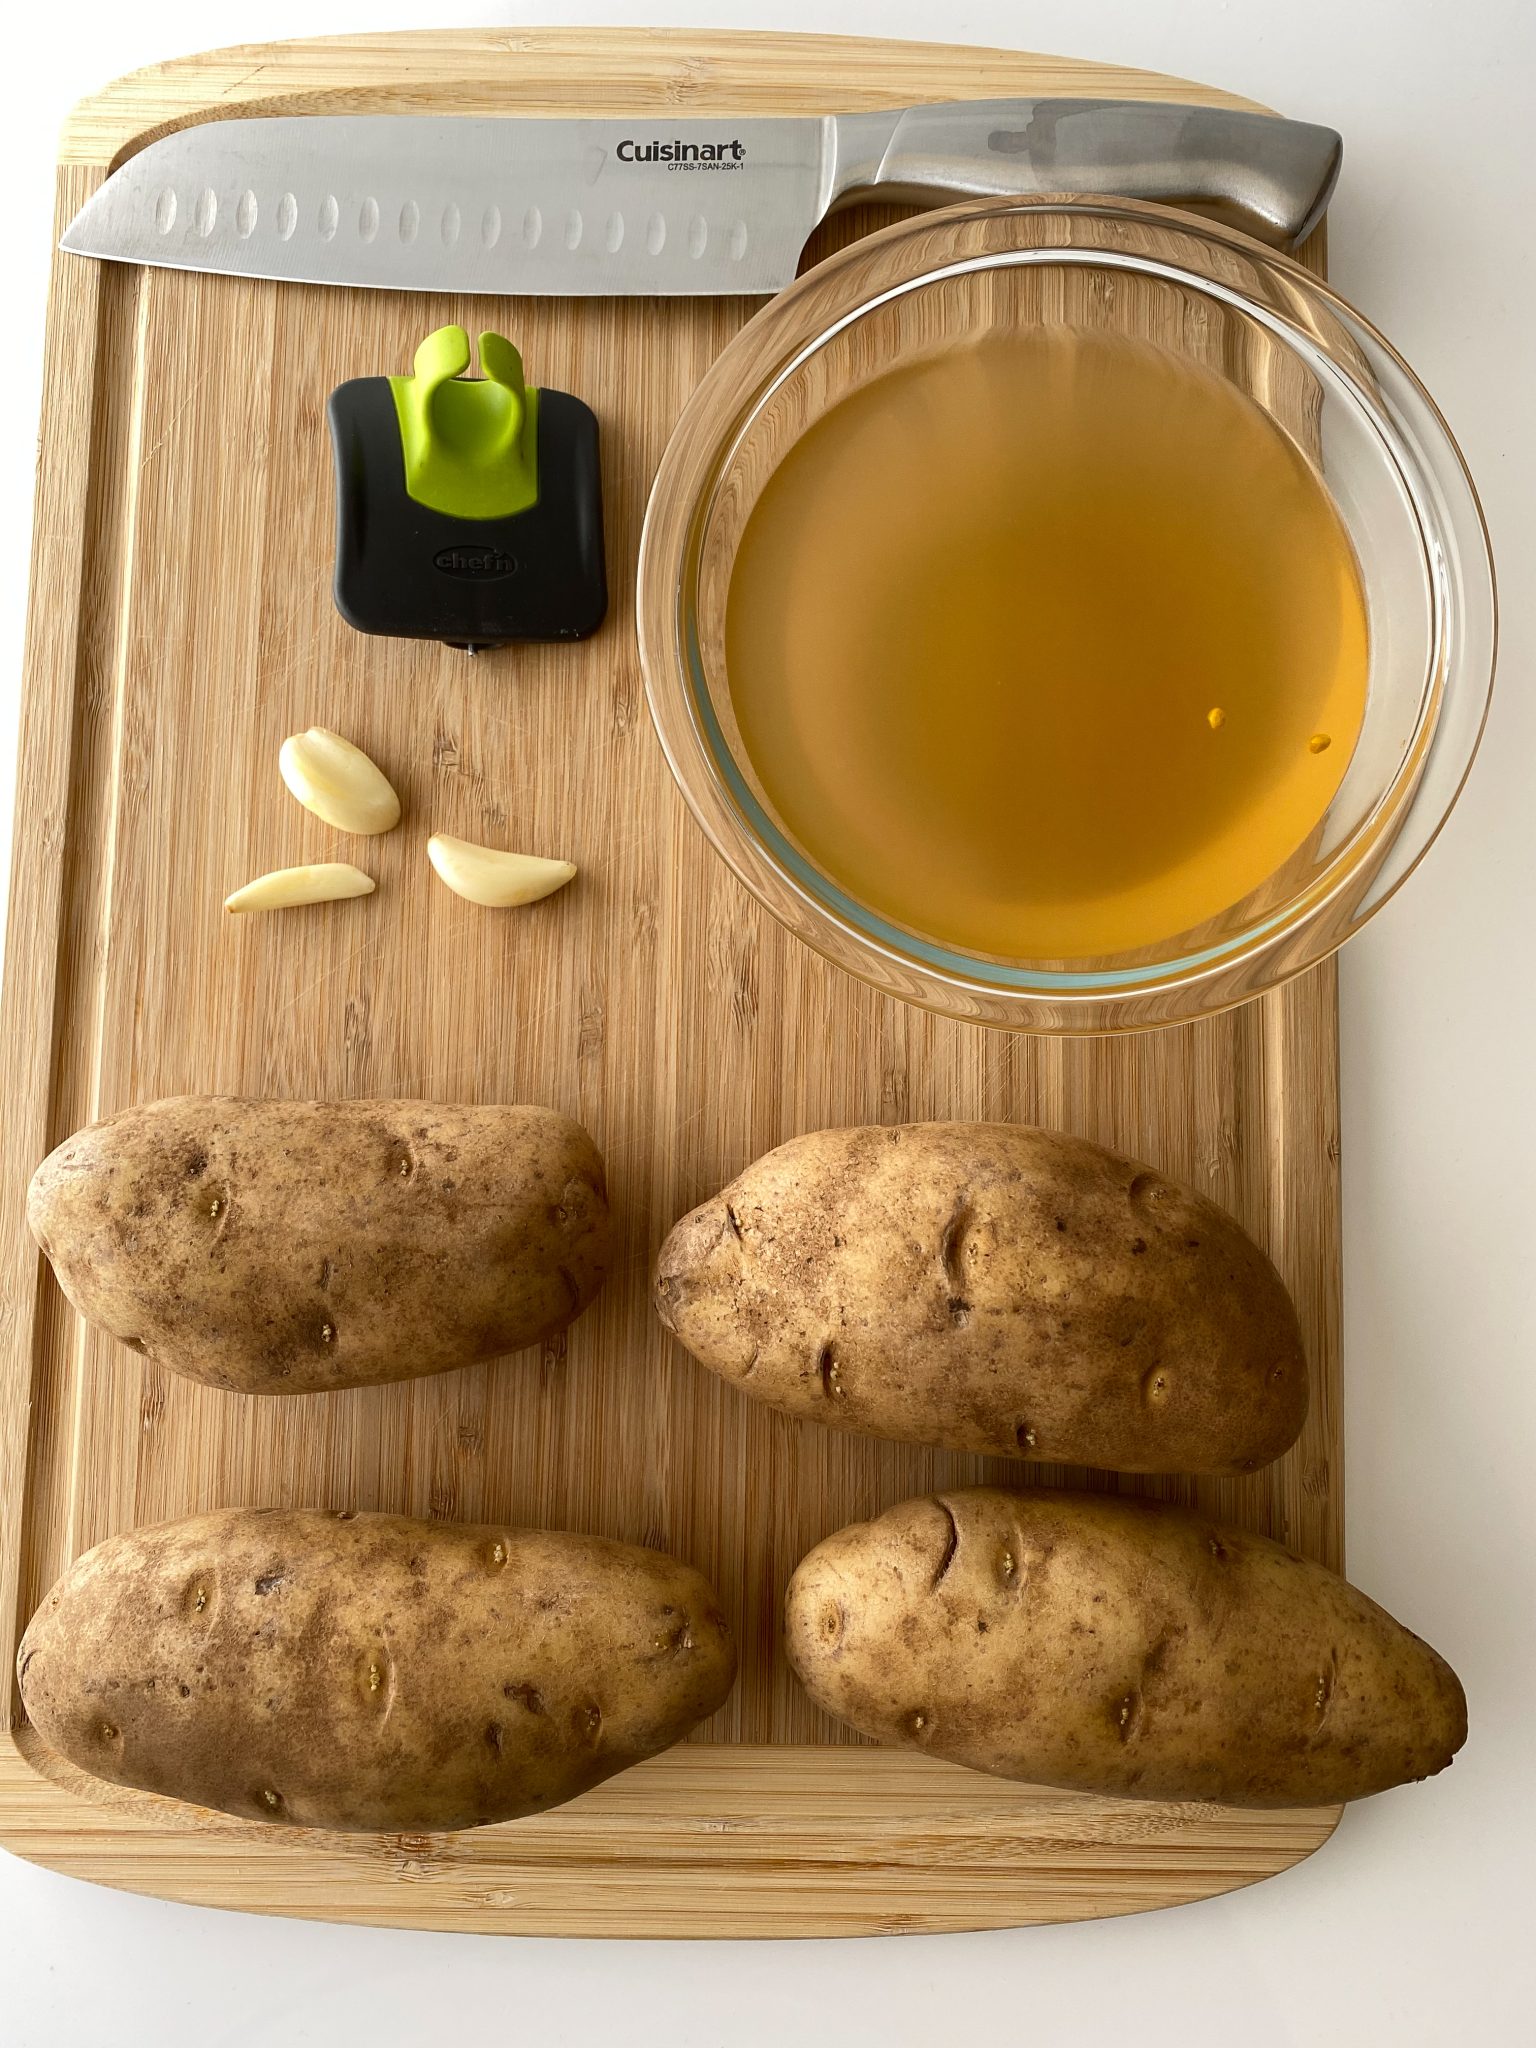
<point>1414,1925</point>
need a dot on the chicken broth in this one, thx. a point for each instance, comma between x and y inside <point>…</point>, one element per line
<point>1052,646</point>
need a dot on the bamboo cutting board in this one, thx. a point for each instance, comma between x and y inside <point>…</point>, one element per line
<point>181,626</point>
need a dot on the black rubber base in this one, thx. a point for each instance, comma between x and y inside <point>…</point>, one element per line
<point>416,574</point>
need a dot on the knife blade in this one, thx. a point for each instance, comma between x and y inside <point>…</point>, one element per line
<point>527,204</point>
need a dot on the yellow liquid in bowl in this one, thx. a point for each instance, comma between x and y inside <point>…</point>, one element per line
<point>1054,646</point>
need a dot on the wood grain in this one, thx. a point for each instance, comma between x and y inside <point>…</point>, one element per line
<point>703,1842</point>
<point>578,71</point>
<point>181,626</point>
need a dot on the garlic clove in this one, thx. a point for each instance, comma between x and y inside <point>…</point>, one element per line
<point>327,881</point>
<point>484,874</point>
<point>338,782</point>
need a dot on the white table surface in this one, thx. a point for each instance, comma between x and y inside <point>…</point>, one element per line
<point>1414,1925</point>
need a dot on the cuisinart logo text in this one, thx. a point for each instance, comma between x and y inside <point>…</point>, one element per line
<point>678,155</point>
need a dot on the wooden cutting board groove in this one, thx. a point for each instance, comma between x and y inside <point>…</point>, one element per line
<point>181,625</point>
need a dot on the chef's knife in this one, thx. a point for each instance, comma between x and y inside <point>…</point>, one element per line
<point>506,203</point>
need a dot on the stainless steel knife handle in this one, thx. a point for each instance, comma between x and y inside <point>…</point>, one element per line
<point>1270,177</point>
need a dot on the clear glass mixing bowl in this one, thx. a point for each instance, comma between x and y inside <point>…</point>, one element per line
<point>1336,387</point>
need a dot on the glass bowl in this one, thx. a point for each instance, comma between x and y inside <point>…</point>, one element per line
<point>1362,420</point>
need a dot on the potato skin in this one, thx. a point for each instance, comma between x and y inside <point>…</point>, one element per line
<point>1116,1646</point>
<point>994,1288</point>
<point>366,1671</point>
<point>293,1247</point>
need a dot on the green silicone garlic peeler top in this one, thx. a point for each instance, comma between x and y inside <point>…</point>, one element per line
<point>471,448</point>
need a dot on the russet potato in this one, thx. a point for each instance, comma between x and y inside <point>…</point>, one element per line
<point>993,1288</point>
<point>368,1671</point>
<point>292,1247</point>
<point>1117,1646</point>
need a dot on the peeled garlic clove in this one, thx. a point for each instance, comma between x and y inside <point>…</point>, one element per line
<point>338,782</point>
<point>482,874</point>
<point>328,881</point>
